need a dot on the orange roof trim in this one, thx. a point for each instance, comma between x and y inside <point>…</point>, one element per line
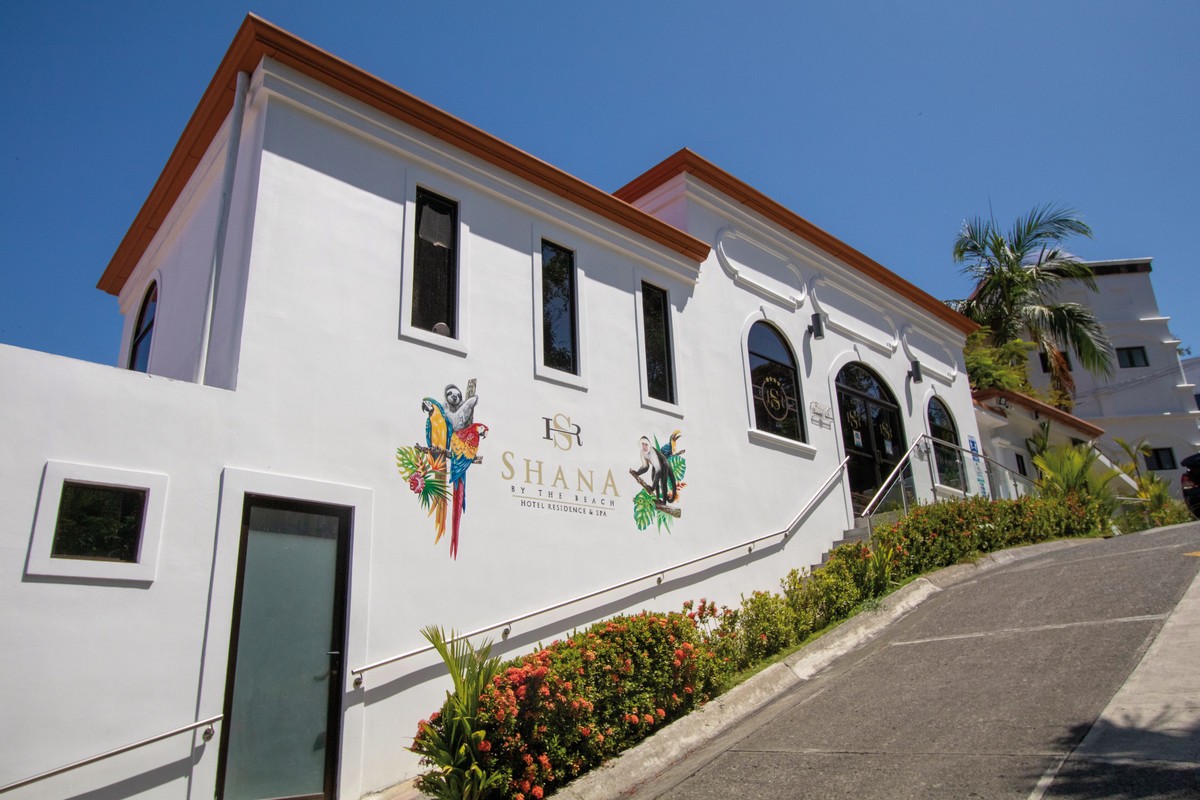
<point>257,39</point>
<point>1024,400</point>
<point>687,161</point>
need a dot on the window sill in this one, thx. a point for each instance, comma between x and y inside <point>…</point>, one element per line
<point>780,443</point>
<point>421,336</point>
<point>662,406</point>
<point>543,373</point>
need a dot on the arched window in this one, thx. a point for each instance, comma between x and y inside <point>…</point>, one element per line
<point>774,383</point>
<point>143,334</point>
<point>947,458</point>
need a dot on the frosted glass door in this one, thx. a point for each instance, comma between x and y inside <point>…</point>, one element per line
<point>281,726</point>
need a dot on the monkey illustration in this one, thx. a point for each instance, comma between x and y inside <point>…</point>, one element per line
<point>662,478</point>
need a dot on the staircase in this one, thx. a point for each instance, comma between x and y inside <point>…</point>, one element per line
<point>860,532</point>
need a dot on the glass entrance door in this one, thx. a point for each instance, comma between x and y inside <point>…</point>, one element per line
<point>871,432</point>
<point>283,698</point>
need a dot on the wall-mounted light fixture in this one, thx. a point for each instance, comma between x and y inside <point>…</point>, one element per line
<point>817,328</point>
<point>915,372</point>
<point>1002,402</point>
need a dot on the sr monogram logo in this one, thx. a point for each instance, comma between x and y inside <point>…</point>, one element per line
<point>560,432</point>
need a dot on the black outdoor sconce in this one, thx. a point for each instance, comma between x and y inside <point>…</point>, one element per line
<point>915,372</point>
<point>817,329</point>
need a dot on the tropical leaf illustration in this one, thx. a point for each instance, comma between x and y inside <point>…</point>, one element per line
<point>643,509</point>
<point>410,460</point>
<point>435,488</point>
<point>678,465</point>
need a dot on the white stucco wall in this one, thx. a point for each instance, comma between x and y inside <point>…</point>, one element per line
<point>321,382</point>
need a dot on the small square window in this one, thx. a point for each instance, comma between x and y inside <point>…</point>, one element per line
<point>98,523</point>
<point>103,523</point>
<point>656,326</point>
<point>1021,468</point>
<point>1160,458</point>
<point>1132,357</point>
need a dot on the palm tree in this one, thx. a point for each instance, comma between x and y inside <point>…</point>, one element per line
<point>1017,275</point>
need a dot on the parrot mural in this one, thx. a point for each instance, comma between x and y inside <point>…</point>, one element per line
<point>464,445</point>
<point>437,439</point>
<point>437,470</point>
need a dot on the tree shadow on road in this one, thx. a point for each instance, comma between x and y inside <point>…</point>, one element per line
<point>1131,758</point>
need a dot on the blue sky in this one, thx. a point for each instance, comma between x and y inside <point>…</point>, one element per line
<point>884,123</point>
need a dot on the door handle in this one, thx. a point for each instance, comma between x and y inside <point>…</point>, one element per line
<point>329,670</point>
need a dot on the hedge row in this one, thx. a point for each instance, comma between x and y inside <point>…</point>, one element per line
<point>548,717</point>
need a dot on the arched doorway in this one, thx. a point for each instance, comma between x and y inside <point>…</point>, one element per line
<point>871,431</point>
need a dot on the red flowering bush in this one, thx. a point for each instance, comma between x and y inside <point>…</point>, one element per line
<point>554,714</point>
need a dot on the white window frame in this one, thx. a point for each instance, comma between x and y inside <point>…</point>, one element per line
<point>442,188</point>
<point>676,408</point>
<point>56,473</point>
<point>540,370</point>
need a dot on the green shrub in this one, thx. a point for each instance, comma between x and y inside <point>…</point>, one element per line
<point>557,713</point>
<point>762,627</point>
<point>825,596</point>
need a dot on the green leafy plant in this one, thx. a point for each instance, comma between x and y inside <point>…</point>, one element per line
<point>453,740</point>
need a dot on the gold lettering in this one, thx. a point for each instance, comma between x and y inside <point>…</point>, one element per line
<point>608,481</point>
<point>508,472</point>
<point>529,472</point>
<point>559,479</point>
<point>581,481</point>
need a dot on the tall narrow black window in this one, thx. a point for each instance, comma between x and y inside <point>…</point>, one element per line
<point>435,265</point>
<point>774,383</point>
<point>559,328</point>
<point>656,324</point>
<point>143,333</point>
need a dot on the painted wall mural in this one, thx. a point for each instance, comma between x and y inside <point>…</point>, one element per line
<point>660,474</point>
<point>437,471</point>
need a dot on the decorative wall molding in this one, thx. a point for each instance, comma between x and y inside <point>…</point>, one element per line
<point>937,361</point>
<point>767,272</point>
<point>854,316</point>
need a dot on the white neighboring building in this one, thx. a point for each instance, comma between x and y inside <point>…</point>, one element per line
<point>1149,397</point>
<point>270,457</point>
<point>1191,372</point>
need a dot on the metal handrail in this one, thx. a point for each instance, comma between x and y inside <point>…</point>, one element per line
<point>658,573</point>
<point>886,486</point>
<point>887,483</point>
<point>207,724</point>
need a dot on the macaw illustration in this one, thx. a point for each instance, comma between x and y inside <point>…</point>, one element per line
<point>464,444</point>
<point>437,471</point>
<point>437,438</point>
<point>666,467</point>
